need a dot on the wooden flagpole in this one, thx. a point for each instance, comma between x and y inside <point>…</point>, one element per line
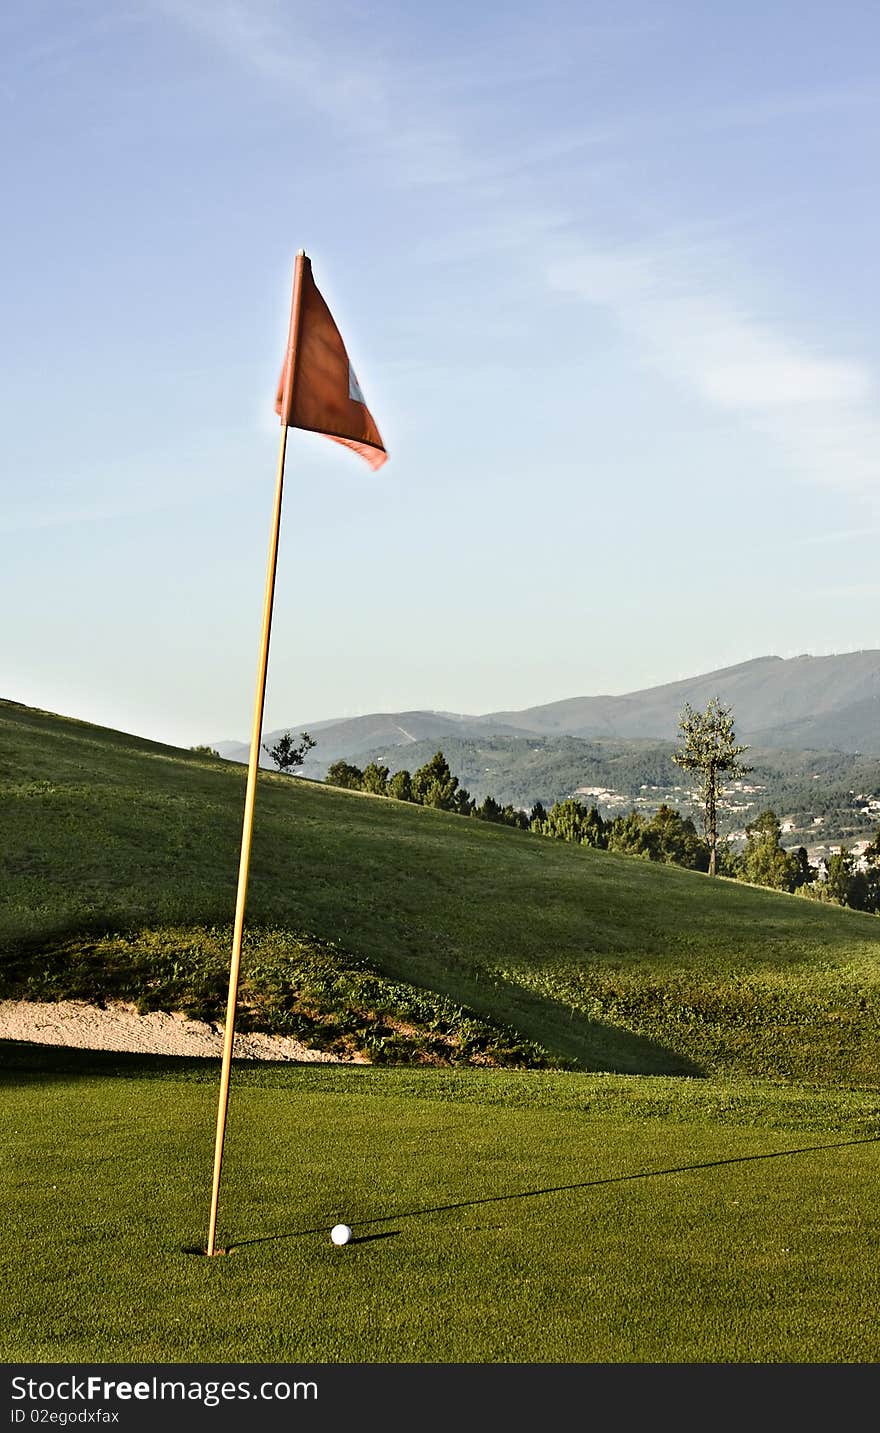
<point>253,766</point>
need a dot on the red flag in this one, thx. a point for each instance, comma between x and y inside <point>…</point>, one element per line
<point>326,396</point>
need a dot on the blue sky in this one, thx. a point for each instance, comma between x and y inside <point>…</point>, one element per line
<point>608,277</point>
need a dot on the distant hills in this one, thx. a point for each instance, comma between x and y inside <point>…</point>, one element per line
<point>796,703</point>
<point>357,738</point>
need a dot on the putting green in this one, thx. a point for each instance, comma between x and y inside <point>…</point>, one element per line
<point>498,1217</point>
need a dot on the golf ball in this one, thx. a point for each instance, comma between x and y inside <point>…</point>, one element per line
<point>340,1233</point>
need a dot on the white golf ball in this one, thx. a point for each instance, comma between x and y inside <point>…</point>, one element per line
<point>340,1233</point>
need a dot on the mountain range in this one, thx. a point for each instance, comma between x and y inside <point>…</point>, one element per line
<point>829,703</point>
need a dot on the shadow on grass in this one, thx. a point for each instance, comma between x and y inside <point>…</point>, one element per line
<point>366,1238</point>
<point>587,1045</point>
<point>201,1251</point>
<point>569,1036</point>
<point>23,1061</point>
<point>557,1189</point>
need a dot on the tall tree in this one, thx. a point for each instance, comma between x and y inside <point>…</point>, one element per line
<point>710,751</point>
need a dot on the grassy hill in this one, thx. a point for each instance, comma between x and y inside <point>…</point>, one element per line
<point>409,933</point>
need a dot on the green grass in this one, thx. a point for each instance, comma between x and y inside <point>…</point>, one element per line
<point>119,854</point>
<point>499,1216</point>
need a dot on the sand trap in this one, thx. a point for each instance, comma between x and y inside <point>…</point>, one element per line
<point>119,1027</point>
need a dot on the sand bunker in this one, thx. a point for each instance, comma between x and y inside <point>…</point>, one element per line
<point>81,1026</point>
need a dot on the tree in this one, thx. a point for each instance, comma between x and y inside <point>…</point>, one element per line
<point>434,785</point>
<point>204,751</point>
<point>673,839</point>
<point>852,882</point>
<point>594,831</point>
<point>538,817</point>
<point>711,752</point>
<point>571,821</point>
<point>400,786</point>
<point>764,860</point>
<point>844,882</point>
<point>286,754</point>
<point>340,773</point>
<point>626,835</point>
<point>489,811</point>
<point>514,816</point>
<point>464,804</point>
<point>804,873</point>
<point>871,854</point>
<point>375,779</point>
<point>871,860</point>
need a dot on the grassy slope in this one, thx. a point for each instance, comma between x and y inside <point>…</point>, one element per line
<point>609,962</point>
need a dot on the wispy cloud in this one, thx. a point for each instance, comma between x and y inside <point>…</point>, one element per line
<point>351,85</point>
<point>393,112</point>
<point>815,404</point>
<point>677,301</point>
<point>249,32</point>
<point>259,37</point>
<point>729,356</point>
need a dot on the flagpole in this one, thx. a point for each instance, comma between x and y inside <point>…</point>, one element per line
<point>253,765</point>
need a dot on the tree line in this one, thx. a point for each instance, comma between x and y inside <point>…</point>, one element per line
<point>432,785</point>
<point>711,753</point>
